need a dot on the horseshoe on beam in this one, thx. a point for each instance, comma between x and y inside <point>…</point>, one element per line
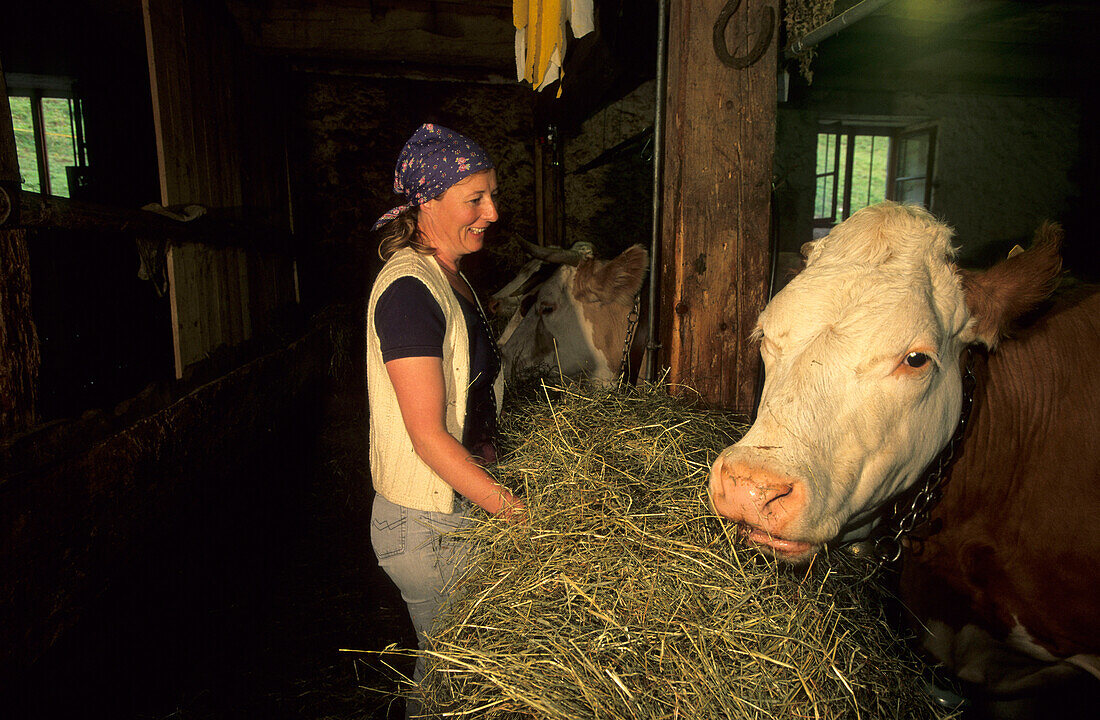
<point>767,15</point>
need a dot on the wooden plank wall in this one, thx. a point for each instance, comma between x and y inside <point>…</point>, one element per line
<point>78,499</point>
<point>215,148</point>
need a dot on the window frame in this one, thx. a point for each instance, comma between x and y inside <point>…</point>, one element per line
<point>37,88</point>
<point>847,133</point>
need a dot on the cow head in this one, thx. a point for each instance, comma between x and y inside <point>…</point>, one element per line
<point>863,380</point>
<point>576,321</point>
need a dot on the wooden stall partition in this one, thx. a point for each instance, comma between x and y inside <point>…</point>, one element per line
<point>719,142</point>
<point>19,350</point>
<point>211,141</point>
<point>80,500</point>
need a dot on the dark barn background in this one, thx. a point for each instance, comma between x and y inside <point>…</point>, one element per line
<point>186,535</point>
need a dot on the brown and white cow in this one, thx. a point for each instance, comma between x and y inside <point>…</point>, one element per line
<point>864,353</point>
<point>575,322</point>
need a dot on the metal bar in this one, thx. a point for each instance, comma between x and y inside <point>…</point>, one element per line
<point>832,27</point>
<point>650,372</point>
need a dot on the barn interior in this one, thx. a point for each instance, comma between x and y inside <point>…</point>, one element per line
<point>184,492</point>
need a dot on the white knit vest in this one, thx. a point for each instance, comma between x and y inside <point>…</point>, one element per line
<point>398,473</point>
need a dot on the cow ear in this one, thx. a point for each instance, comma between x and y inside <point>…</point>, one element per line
<point>998,296</point>
<point>615,280</point>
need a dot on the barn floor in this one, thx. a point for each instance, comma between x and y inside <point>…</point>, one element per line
<point>239,610</point>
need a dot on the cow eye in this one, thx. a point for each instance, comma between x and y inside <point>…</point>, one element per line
<point>546,308</point>
<point>916,359</point>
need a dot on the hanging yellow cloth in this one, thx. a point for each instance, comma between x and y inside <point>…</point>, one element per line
<point>540,36</point>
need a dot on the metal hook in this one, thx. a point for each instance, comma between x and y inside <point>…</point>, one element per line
<point>762,42</point>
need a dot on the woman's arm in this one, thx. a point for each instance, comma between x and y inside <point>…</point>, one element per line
<point>421,395</point>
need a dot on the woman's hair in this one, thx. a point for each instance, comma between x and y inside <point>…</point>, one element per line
<point>402,232</point>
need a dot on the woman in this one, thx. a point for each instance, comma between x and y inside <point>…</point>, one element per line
<point>433,372</point>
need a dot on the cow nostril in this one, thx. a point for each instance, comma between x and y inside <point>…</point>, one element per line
<point>764,495</point>
<point>780,493</point>
<point>768,499</point>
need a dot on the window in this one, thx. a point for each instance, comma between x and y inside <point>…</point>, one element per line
<point>49,134</point>
<point>860,166</point>
<point>913,174</point>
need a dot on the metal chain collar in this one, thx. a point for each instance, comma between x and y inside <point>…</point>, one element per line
<point>631,328</point>
<point>910,511</point>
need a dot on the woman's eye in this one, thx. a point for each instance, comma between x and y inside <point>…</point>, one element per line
<point>916,359</point>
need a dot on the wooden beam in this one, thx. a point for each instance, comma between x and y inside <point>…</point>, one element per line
<point>219,227</point>
<point>719,142</point>
<point>427,33</point>
<point>19,351</point>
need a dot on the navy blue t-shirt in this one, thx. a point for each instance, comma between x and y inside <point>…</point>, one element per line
<point>410,323</point>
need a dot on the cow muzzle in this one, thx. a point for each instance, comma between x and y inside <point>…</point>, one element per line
<point>766,506</point>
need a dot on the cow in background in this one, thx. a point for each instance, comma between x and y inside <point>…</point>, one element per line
<point>572,313</point>
<point>865,353</point>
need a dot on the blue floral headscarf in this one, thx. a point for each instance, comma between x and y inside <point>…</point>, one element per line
<point>434,159</point>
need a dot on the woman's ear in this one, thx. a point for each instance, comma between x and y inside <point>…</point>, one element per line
<point>427,212</point>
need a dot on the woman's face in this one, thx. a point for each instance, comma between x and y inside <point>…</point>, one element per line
<point>455,222</point>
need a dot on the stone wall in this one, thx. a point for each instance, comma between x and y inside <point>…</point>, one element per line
<point>610,205</point>
<point>350,134</point>
<point>1003,164</point>
<point>351,130</point>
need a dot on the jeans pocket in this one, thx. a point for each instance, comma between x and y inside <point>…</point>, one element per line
<point>452,544</point>
<point>389,529</point>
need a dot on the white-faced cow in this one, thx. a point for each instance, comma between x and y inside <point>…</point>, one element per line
<point>576,321</point>
<point>865,352</point>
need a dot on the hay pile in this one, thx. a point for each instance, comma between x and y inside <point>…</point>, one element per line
<point>623,597</point>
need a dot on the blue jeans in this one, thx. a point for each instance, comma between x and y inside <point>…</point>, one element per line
<point>414,549</point>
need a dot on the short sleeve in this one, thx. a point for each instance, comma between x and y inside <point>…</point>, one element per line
<point>409,321</point>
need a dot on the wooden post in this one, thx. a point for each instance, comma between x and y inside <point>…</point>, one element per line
<point>719,142</point>
<point>19,352</point>
<point>10,179</point>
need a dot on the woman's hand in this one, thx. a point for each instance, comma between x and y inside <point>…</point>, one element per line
<point>513,511</point>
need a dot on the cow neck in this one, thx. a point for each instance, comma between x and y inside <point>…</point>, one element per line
<point>912,508</point>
